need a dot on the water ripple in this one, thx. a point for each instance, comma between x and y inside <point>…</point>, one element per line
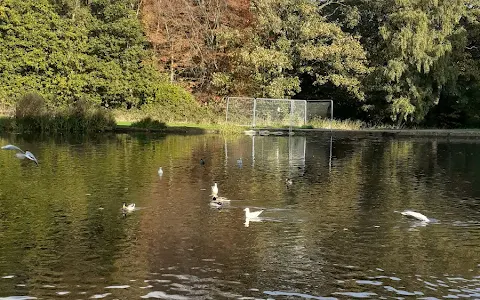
<point>17,298</point>
<point>163,295</point>
<point>304,296</point>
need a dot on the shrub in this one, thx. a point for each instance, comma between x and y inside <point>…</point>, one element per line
<point>173,103</point>
<point>31,115</point>
<point>149,123</point>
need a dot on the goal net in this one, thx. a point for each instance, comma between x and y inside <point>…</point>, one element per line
<point>320,113</point>
<point>278,113</point>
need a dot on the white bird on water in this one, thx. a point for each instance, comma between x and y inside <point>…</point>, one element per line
<point>21,154</point>
<point>160,171</point>
<point>252,214</point>
<point>216,204</point>
<point>215,190</point>
<point>416,215</point>
<point>128,208</point>
<point>221,199</point>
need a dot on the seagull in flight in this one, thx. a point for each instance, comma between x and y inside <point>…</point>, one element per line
<point>21,154</point>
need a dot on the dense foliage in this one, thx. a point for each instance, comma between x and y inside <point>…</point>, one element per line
<point>92,51</point>
<point>393,61</point>
<point>413,62</point>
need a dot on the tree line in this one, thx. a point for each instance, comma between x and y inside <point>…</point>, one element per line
<point>93,51</point>
<point>404,62</point>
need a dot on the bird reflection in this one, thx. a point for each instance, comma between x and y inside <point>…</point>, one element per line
<point>248,220</point>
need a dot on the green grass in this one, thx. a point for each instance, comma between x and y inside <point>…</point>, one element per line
<point>224,128</point>
<point>149,123</point>
<point>124,123</point>
<point>336,124</point>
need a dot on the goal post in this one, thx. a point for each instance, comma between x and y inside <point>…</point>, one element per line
<point>240,111</point>
<point>320,113</point>
<point>278,113</point>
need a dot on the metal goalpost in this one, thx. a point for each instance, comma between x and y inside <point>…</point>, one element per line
<point>278,113</point>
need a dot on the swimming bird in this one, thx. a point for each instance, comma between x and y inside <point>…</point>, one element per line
<point>160,171</point>
<point>21,154</point>
<point>128,208</point>
<point>250,132</point>
<point>252,214</point>
<point>215,190</point>
<point>221,199</point>
<point>202,162</point>
<point>216,204</point>
<point>416,215</point>
<point>288,181</point>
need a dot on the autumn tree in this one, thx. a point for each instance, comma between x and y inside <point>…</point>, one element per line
<point>190,37</point>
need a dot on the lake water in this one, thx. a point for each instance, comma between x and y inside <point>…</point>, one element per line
<point>335,233</point>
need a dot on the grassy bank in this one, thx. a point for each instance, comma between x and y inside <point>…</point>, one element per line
<point>31,114</point>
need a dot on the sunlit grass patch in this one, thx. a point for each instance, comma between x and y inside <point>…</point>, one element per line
<point>335,124</point>
<point>149,123</point>
<point>223,128</point>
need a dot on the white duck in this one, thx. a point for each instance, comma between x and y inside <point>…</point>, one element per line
<point>416,215</point>
<point>215,190</point>
<point>128,208</point>
<point>21,154</point>
<point>252,214</point>
<point>160,171</point>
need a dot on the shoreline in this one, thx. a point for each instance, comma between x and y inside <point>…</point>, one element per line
<point>460,133</point>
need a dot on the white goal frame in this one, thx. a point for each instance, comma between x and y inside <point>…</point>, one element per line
<point>292,102</point>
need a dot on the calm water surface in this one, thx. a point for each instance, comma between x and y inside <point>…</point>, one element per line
<point>334,234</point>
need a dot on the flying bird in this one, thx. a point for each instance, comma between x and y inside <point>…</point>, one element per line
<point>21,154</point>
